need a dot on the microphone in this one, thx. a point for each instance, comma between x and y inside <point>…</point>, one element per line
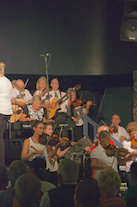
<point>43,55</point>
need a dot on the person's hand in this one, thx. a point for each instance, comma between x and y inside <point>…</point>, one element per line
<point>87,149</point>
<point>13,100</point>
<point>122,138</point>
<point>30,119</point>
<point>38,152</point>
<point>74,119</point>
<point>89,103</point>
<point>21,104</point>
<point>73,143</point>
<point>52,105</point>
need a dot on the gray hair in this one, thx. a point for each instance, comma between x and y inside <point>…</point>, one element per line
<point>69,170</point>
<point>36,98</point>
<point>109,182</point>
<point>27,190</point>
<point>104,134</point>
<point>16,169</point>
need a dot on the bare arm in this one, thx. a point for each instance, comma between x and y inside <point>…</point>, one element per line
<point>87,107</point>
<point>24,154</point>
<point>24,118</point>
<point>96,166</point>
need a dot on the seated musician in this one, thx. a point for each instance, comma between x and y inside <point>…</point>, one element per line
<point>20,95</point>
<point>78,110</point>
<point>54,163</point>
<point>33,112</point>
<point>41,87</point>
<point>120,134</point>
<point>59,112</point>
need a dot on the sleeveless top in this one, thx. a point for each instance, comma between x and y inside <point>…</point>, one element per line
<point>41,147</point>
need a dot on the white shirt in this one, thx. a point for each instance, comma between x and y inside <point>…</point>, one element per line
<point>5,96</point>
<point>79,111</point>
<point>41,147</point>
<point>27,96</point>
<point>127,145</point>
<point>102,159</point>
<point>64,101</point>
<point>121,132</point>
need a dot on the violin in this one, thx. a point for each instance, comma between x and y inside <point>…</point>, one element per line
<point>113,129</point>
<point>82,103</point>
<point>111,150</point>
<point>45,139</point>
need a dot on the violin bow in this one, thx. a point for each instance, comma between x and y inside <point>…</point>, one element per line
<point>26,83</point>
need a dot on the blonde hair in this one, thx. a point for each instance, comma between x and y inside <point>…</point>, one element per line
<point>42,78</point>
<point>132,126</point>
<point>109,182</point>
<point>2,67</point>
<point>36,98</point>
<point>71,90</point>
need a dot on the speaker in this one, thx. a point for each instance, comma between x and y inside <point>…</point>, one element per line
<point>129,22</point>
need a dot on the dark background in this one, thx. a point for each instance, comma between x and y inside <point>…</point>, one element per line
<point>82,36</point>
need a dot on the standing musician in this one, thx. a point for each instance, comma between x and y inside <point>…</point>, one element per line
<point>77,112</point>
<point>20,95</point>
<point>99,157</point>
<point>50,147</point>
<point>121,134</point>
<point>5,108</point>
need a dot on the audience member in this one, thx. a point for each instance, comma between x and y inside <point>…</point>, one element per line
<point>26,191</point>
<point>109,183</point>
<point>3,177</point>
<point>87,194</point>
<point>131,195</point>
<point>16,169</point>
<point>37,167</point>
<point>63,195</point>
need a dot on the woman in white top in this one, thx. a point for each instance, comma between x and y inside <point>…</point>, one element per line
<point>5,108</point>
<point>54,166</point>
<point>32,147</point>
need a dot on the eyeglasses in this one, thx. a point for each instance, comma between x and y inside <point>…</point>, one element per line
<point>40,127</point>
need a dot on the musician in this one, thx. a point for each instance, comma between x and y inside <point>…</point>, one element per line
<point>33,112</point>
<point>19,92</point>
<point>60,114</point>
<point>41,87</point>
<point>5,108</point>
<point>32,147</point>
<point>54,163</point>
<point>77,112</point>
<point>131,146</point>
<point>121,134</point>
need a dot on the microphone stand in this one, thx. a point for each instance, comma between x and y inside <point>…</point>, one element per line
<point>46,66</point>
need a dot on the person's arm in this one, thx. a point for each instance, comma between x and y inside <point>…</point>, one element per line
<point>51,154</point>
<point>96,166</point>
<point>24,118</point>
<point>86,111</point>
<point>24,153</point>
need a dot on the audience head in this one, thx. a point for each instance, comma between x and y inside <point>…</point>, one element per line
<point>2,68</point>
<point>3,177</point>
<point>41,83</point>
<point>16,169</point>
<point>87,194</point>
<point>133,171</point>
<point>37,167</point>
<point>20,85</point>
<point>109,182</point>
<point>68,171</point>
<point>26,191</point>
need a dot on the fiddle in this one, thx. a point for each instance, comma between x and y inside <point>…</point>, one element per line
<point>82,103</point>
<point>113,129</point>
<point>111,150</point>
